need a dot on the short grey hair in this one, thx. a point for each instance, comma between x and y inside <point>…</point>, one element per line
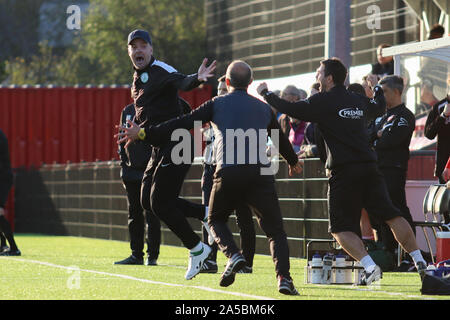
<point>393,82</point>
<point>294,91</point>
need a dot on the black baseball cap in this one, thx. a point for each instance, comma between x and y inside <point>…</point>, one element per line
<point>141,34</point>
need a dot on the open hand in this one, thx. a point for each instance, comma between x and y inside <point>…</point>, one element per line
<point>205,72</point>
<point>127,134</point>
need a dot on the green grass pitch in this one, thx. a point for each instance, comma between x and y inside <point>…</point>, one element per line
<point>72,268</point>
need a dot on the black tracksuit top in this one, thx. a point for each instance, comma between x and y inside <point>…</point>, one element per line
<point>440,126</point>
<point>156,99</point>
<point>342,118</point>
<point>236,111</point>
<point>392,147</point>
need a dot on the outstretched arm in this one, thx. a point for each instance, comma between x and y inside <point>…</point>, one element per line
<point>157,135</point>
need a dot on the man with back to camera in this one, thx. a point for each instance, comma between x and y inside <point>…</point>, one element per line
<point>244,217</point>
<point>243,174</point>
<point>6,181</point>
<point>391,137</point>
<point>355,181</point>
<point>155,92</point>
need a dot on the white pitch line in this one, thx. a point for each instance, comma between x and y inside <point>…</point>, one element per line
<point>118,275</point>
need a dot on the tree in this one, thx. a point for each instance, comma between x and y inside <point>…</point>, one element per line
<point>98,52</point>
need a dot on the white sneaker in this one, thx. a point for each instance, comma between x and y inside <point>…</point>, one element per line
<point>196,262</point>
<point>369,277</point>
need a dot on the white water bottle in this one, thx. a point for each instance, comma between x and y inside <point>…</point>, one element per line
<point>326,269</point>
<point>340,275</point>
<point>316,269</point>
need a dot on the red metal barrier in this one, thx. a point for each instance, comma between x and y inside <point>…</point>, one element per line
<point>59,125</point>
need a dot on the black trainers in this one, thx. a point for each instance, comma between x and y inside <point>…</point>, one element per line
<point>11,253</point>
<point>286,286</point>
<point>209,266</point>
<point>421,269</point>
<point>369,277</point>
<point>3,248</point>
<point>131,260</point>
<point>246,269</point>
<point>151,262</point>
<point>236,263</point>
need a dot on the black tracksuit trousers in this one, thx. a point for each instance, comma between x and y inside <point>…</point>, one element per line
<point>136,225</point>
<point>243,216</point>
<point>161,186</point>
<point>244,185</point>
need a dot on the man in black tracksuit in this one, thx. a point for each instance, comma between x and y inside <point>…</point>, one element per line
<point>155,92</point>
<point>6,181</point>
<point>134,160</point>
<point>355,181</point>
<point>243,174</point>
<point>438,124</point>
<point>391,136</point>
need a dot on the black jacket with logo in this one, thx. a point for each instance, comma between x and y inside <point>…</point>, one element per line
<point>392,147</point>
<point>439,126</point>
<point>341,117</point>
<point>6,175</point>
<point>156,100</point>
<point>134,158</point>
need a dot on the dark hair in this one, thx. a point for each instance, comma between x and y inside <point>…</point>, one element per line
<point>437,30</point>
<point>336,69</point>
<point>316,85</point>
<point>356,88</point>
<point>393,82</point>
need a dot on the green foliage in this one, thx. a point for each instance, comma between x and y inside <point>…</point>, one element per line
<point>98,53</point>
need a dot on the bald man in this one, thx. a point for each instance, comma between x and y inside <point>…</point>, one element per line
<point>243,175</point>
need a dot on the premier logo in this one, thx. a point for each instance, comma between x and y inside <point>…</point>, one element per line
<point>351,113</point>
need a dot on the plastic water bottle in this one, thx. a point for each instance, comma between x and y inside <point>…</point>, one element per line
<point>327,264</point>
<point>340,274</point>
<point>316,269</point>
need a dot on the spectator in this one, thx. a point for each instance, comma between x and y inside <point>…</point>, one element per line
<point>385,65</point>
<point>6,181</point>
<point>438,124</point>
<point>357,88</point>
<point>315,88</point>
<point>292,128</point>
<point>437,31</point>
<point>392,136</point>
<point>313,145</point>
<point>367,87</point>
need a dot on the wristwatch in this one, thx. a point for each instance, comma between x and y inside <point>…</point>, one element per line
<point>141,134</point>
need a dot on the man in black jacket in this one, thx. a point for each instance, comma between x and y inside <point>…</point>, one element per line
<point>438,124</point>
<point>155,92</point>
<point>355,181</point>
<point>134,160</point>
<point>391,136</point>
<point>243,174</point>
<point>6,181</point>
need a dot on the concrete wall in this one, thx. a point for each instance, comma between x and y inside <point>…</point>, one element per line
<point>88,200</point>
